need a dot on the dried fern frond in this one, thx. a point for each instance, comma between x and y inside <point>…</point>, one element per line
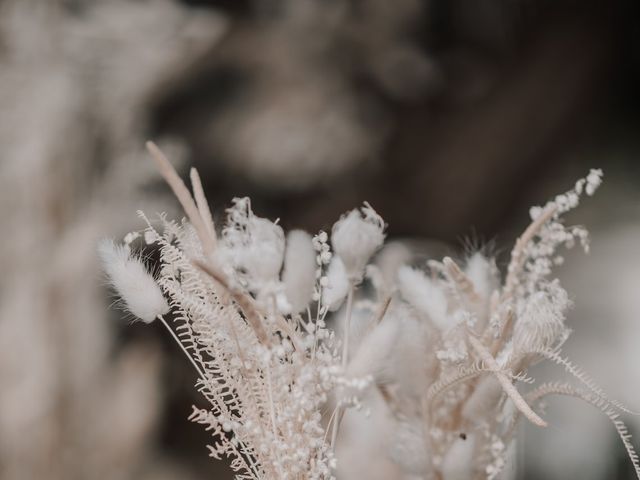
<point>584,378</point>
<point>595,400</point>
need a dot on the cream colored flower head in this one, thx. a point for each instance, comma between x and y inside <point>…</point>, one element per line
<point>254,246</point>
<point>356,237</point>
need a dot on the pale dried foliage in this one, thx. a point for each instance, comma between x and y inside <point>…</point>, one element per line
<point>437,356</point>
<point>70,406</point>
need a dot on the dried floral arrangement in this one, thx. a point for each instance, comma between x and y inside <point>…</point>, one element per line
<point>446,347</point>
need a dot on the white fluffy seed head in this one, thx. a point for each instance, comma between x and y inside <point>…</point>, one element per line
<point>457,463</point>
<point>482,273</point>
<point>424,295</point>
<point>372,355</point>
<point>412,366</point>
<point>337,285</point>
<point>407,449</point>
<point>131,280</point>
<point>356,237</point>
<point>299,273</point>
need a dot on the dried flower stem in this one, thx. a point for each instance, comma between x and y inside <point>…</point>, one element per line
<point>506,382</point>
<point>517,254</point>
<point>203,205</point>
<point>382,311</point>
<point>347,328</point>
<point>462,281</point>
<point>345,360</point>
<point>183,195</point>
<point>289,332</point>
<point>184,349</point>
<point>244,302</point>
<point>272,412</point>
<point>505,330</point>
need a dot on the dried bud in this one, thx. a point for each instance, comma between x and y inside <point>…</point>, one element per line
<point>356,237</point>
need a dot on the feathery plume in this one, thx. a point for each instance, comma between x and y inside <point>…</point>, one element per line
<point>129,277</point>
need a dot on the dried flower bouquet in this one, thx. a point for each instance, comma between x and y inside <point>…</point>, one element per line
<point>446,347</point>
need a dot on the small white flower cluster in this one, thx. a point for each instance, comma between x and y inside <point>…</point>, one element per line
<point>440,349</point>
<point>497,452</point>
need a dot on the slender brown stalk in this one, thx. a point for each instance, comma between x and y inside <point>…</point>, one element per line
<point>183,195</point>
<point>203,205</point>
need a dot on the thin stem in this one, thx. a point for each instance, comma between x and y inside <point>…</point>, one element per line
<point>506,383</point>
<point>252,465</point>
<point>345,359</point>
<point>272,410</point>
<point>272,413</point>
<point>330,422</point>
<point>321,313</point>
<point>184,349</point>
<point>517,254</point>
<point>183,195</point>
<point>203,205</point>
<point>315,329</point>
<point>347,328</point>
<point>463,283</point>
<point>288,331</point>
<point>336,426</point>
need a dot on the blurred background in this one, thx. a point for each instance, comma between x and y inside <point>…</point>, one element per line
<point>451,117</point>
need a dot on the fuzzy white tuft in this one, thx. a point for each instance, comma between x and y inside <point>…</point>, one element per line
<point>299,275</point>
<point>483,399</point>
<point>424,295</point>
<point>337,286</point>
<point>482,273</point>
<point>392,256</point>
<point>356,237</point>
<point>457,464</point>
<point>407,447</point>
<point>372,355</point>
<point>132,281</point>
<point>412,365</point>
